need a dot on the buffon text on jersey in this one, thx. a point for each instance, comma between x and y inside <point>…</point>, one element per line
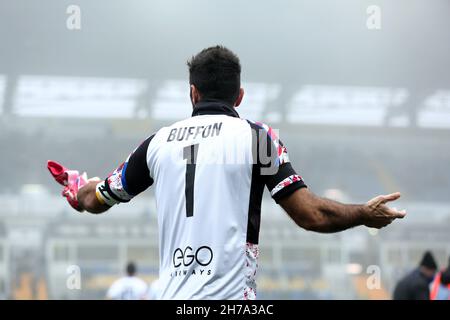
<point>187,133</point>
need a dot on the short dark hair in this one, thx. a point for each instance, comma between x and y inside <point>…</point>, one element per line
<point>216,73</point>
<point>131,269</point>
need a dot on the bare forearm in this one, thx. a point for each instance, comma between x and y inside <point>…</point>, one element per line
<point>321,215</point>
<point>324,215</point>
<point>88,200</point>
<point>333,216</point>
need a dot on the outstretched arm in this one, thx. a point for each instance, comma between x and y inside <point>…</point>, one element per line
<point>306,209</point>
<point>129,179</point>
<point>323,215</point>
<point>95,195</point>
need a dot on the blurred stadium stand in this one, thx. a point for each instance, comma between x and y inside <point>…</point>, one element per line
<point>41,236</point>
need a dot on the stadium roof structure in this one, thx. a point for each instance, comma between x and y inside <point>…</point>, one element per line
<point>325,67</point>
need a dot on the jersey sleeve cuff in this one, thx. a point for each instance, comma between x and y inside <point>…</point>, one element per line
<point>284,182</point>
<point>104,195</point>
<point>287,187</point>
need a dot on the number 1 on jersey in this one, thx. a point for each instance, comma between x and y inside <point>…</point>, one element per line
<point>190,155</point>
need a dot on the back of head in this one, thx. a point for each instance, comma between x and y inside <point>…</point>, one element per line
<point>216,73</point>
<point>428,261</point>
<point>131,269</point>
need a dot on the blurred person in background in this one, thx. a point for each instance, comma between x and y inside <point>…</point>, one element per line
<point>129,287</point>
<point>440,287</point>
<point>415,285</point>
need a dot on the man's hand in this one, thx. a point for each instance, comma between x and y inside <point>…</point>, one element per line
<point>378,214</point>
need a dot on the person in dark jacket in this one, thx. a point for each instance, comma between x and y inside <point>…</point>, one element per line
<point>415,285</point>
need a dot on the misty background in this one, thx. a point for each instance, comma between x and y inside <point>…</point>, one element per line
<point>363,112</point>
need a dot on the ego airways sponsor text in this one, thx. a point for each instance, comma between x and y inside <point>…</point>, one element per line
<point>202,256</point>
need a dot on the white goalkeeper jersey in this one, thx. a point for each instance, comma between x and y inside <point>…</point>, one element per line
<point>209,173</point>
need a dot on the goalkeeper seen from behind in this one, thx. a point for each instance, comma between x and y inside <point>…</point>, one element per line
<point>209,172</point>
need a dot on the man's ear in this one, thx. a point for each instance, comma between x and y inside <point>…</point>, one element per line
<point>195,95</point>
<point>239,98</point>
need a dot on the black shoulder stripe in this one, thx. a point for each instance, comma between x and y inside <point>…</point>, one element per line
<point>256,190</point>
<point>137,174</point>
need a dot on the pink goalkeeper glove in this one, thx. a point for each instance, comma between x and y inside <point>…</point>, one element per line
<point>70,179</point>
